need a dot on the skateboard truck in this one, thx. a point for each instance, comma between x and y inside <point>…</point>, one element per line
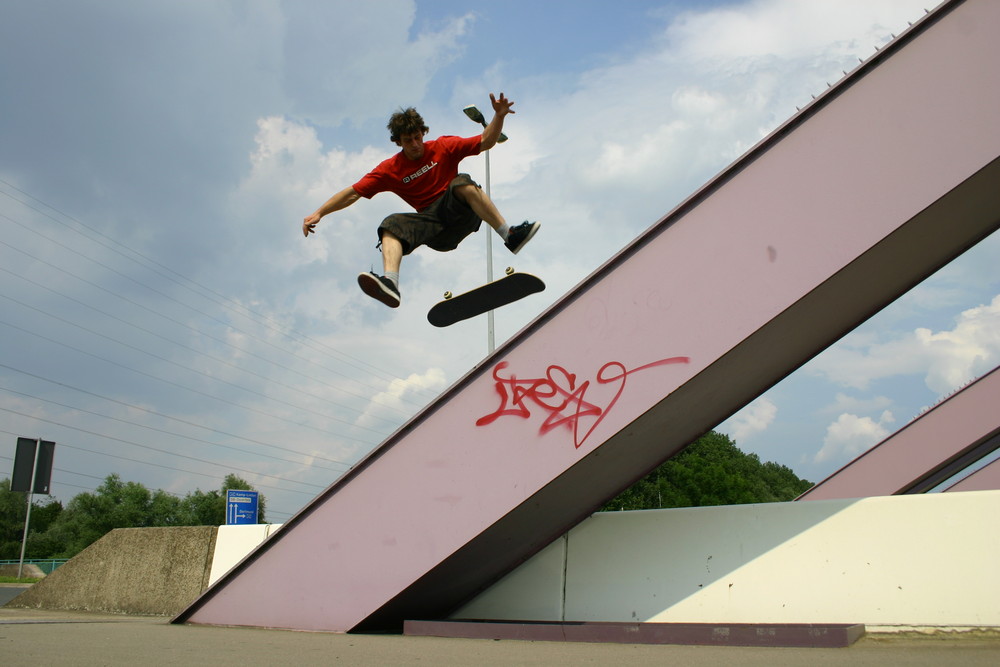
<point>509,271</point>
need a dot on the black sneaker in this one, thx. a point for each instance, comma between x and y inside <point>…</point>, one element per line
<point>521,234</point>
<point>379,288</point>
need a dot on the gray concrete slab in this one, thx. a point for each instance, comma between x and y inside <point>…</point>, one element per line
<point>34,637</point>
<point>131,571</point>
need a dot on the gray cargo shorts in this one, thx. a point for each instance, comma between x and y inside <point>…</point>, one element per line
<point>441,226</point>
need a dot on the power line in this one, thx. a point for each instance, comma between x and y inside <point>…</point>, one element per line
<point>171,383</point>
<point>174,363</point>
<point>158,313</point>
<point>222,300</point>
<point>264,322</point>
<point>171,418</point>
<point>158,430</point>
<point>159,465</point>
<point>199,352</point>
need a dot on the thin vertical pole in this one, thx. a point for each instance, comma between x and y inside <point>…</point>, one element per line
<point>489,262</point>
<point>27,516</point>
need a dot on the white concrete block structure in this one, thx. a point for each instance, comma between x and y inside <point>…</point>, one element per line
<point>890,563</point>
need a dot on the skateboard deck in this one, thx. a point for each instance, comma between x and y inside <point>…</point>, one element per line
<point>488,297</point>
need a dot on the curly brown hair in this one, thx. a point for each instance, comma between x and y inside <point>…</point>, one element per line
<point>405,121</point>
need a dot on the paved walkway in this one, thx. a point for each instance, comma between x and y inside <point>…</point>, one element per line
<point>33,637</point>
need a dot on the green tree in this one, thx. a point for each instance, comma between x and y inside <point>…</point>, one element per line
<point>13,507</point>
<point>118,504</point>
<point>711,471</point>
<point>201,508</point>
<point>89,516</point>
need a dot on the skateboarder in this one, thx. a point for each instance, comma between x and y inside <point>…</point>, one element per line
<point>449,205</point>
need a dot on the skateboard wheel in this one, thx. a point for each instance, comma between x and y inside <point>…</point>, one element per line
<point>447,295</point>
<point>509,270</point>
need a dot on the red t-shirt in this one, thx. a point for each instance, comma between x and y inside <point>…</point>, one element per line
<point>420,182</point>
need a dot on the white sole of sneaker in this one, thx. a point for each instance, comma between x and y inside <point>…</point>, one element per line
<point>373,287</point>
<point>531,234</point>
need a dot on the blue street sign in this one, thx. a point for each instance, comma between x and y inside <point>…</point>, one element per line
<point>241,507</point>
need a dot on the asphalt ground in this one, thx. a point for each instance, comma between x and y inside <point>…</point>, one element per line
<point>37,637</point>
<point>9,591</point>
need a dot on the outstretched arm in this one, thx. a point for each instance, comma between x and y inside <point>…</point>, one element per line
<point>342,199</point>
<point>501,107</point>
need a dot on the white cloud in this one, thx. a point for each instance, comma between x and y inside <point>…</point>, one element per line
<point>432,380</point>
<point>787,28</point>
<point>650,129</point>
<point>290,176</point>
<point>946,359</point>
<point>346,60</point>
<point>971,349</point>
<point>850,435</point>
<point>753,419</point>
<point>843,403</point>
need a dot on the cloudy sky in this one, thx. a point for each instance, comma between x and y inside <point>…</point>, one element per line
<point>164,318</point>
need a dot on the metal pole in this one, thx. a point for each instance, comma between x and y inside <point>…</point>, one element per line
<point>476,116</point>
<point>489,262</point>
<point>27,516</point>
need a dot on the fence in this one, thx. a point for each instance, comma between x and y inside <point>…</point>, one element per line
<point>46,565</point>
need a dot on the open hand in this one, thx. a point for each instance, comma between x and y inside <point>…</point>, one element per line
<point>501,106</point>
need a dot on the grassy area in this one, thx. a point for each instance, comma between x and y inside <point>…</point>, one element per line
<point>15,580</point>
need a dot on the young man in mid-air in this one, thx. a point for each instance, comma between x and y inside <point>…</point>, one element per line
<point>449,205</point>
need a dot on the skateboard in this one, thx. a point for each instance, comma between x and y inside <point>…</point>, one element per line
<point>492,295</point>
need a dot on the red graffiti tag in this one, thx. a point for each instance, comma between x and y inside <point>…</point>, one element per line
<point>559,395</point>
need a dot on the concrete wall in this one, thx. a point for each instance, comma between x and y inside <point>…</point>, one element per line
<point>151,571</point>
<point>154,571</point>
<point>887,562</point>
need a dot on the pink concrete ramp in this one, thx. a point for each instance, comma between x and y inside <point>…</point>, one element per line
<point>986,478</point>
<point>931,449</point>
<point>883,179</point>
